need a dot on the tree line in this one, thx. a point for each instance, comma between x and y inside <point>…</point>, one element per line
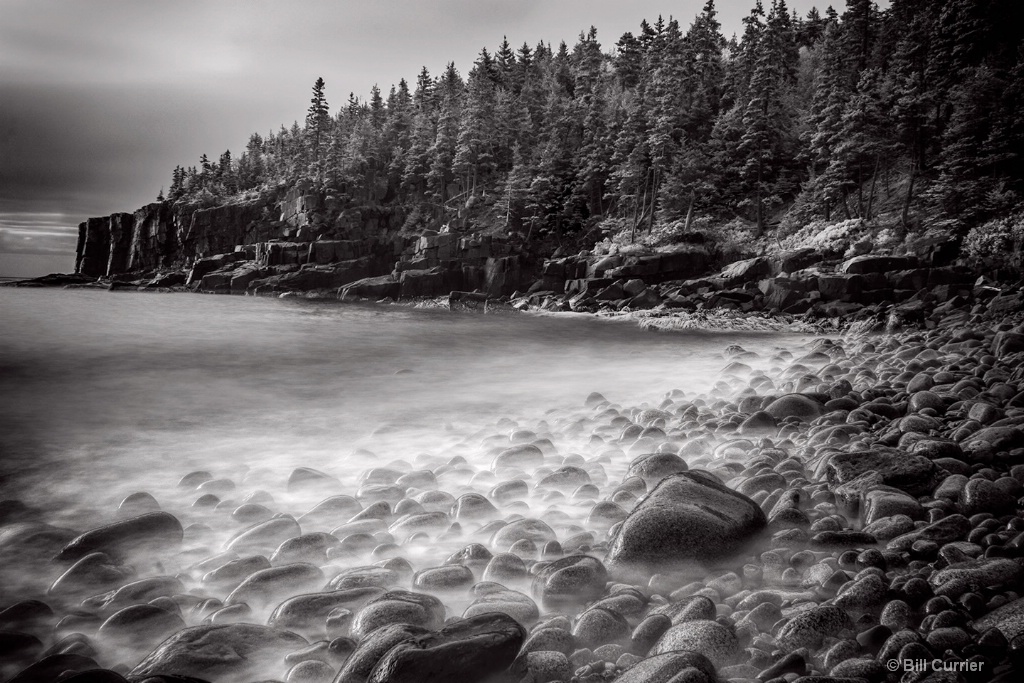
<point>813,115</point>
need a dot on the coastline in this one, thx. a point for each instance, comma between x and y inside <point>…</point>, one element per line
<point>876,482</point>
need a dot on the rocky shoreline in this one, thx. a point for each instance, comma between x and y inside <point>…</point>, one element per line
<point>846,511</point>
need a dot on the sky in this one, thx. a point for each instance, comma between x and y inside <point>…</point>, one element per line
<point>101,99</point>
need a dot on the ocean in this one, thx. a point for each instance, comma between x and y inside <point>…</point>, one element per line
<point>103,394</point>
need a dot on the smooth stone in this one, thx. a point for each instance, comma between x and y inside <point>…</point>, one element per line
<point>431,523</point>
<point>795,405</point>
<point>473,506</point>
<point>517,605</point>
<point>547,667</point>
<point>264,537</point>
<point>689,517</point>
<point>522,457</point>
<point>450,577</point>
<point>505,568</point>
<point>533,530</point>
<point>365,577</point>
<point>713,640</point>
<point>469,650</point>
<point>1008,618</point>
<point>399,607</point>
<point>92,573</point>
<point>653,467</point>
<point>139,626</point>
<point>307,614</point>
<point>151,534</point>
<point>311,548</point>
<point>576,579</point>
<point>235,571</point>
<point>598,626</point>
<point>331,512</point>
<point>668,667</point>
<point>809,629</point>
<point>230,652</point>
<point>268,587</point>
<point>550,639</point>
<point>975,575</point>
<point>946,530</point>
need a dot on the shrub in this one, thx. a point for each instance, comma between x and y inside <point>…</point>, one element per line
<point>997,242</point>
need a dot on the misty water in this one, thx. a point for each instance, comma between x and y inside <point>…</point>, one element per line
<point>105,394</point>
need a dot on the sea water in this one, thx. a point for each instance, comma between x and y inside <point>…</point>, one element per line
<point>106,393</point>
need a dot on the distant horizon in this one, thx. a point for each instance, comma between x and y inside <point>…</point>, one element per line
<point>95,114</point>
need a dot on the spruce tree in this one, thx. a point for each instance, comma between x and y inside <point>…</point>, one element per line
<point>318,121</point>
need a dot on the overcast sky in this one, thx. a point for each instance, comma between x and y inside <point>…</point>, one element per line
<point>101,99</point>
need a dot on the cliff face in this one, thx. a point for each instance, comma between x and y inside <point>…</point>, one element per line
<point>299,243</point>
<point>161,235</point>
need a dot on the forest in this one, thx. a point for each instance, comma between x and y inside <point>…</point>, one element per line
<point>913,111</point>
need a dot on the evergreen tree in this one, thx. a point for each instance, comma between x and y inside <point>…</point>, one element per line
<point>318,120</point>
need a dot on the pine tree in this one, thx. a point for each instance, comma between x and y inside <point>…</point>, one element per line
<point>318,121</point>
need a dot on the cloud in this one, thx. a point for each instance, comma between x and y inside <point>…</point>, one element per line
<point>37,233</point>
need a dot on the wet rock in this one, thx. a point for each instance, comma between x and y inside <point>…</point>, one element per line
<point>547,667</point>
<point>232,653</point>
<point>533,530</point>
<point>468,650</point>
<point>550,639</point>
<point>670,666</point>
<point>653,467</point>
<point>522,457</point>
<point>799,406</point>
<point>307,614</point>
<point>311,548</point>
<point>233,572</point>
<point>138,503</point>
<point>505,568</point>
<point>330,512</point>
<point>451,577</point>
<point>1009,619</point>
<point>135,592</point>
<point>139,626</point>
<point>366,577</point>
<point>598,626</point>
<point>306,479</point>
<point>50,668</point>
<point>576,579</point>
<point>713,640</point>
<point>914,474</point>
<point>945,530</point>
<point>265,537</point>
<point>268,587</point>
<point>810,628</point>
<point>473,506</point>
<point>975,575</point>
<point>982,495</point>
<point>496,598</point>
<point>311,671</point>
<point>89,575</point>
<point>430,523</point>
<point>152,534</point>
<point>399,607</point>
<point>515,489</point>
<point>690,517</point>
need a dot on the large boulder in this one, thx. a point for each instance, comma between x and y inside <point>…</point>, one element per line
<point>690,518</point>
<point>230,653</point>
<point>468,650</point>
<point>749,270</point>
<point>155,532</point>
<point>877,264</point>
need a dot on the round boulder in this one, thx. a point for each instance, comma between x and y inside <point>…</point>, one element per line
<point>689,518</point>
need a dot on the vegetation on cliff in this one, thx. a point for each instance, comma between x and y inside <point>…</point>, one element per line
<point>906,119</point>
